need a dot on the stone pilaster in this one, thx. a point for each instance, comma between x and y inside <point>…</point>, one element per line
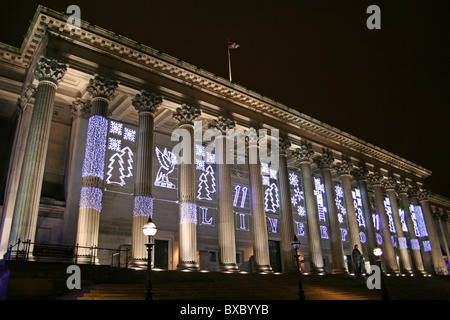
<point>344,169</point>
<point>102,90</point>
<point>226,229</point>
<point>405,262</point>
<point>436,254</point>
<point>375,180</point>
<point>324,162</point>
<point>360,174</point>
<point>187,227</point>
<point>286,215</point>
<point>440,219</point>
<point>413,245</point>
<point>146,104</point>
<point>303,156</point>
<point>49,72</point>
<point>259,224</point>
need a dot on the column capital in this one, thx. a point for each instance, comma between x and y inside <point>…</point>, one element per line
<point>402,187</point>
<point>48,69</point>
<point>186,114</point>
<point>375,178</point>
<point>284,145</point>
<point>100,87</point>
<point>325,160</point>
<point>360,173</point>
<point>80,108</point>
<point>389,183</point>
<point>413,191</point>
<point>344,167</point>
<point>222,124</point>
<point>304,153</point>
<point>437,215</point>
<point>422,194</point>
<point>146,102</point>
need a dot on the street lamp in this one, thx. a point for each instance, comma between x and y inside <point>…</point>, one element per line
<point>295,243</point>
<point>149,231</point>
<point>378,252</point>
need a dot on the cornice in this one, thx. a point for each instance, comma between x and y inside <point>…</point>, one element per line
<point>133,52</point>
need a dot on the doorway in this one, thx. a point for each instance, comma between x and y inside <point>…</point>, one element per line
<point>161,254</point>
<point>275,256</point>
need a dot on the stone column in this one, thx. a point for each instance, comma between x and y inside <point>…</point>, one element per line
<point>49,72</point>
<point>388,249</point>
<point>102,90</point>
<point>436,254</point>
<point>303,156</point>
<point>24,110</point>
<point>259,224</point>
<point>390,187</point>
<point>344,169</point>
<point>226,229</point>
<point>146,104</point>
<point>187,227</point>
<point>414,246</point>
<point>81,111</point>
<point>286,215</point>
<point>440,219</point>
<point>360,175</point>
<point>324,163</point>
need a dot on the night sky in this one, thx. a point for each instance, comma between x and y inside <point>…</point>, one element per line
<point>389,87</point>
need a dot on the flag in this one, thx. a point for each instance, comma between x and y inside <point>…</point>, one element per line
<point>232,45</point>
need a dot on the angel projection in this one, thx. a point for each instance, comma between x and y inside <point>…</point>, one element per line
<point>167,162</point>
<point>120,167</point>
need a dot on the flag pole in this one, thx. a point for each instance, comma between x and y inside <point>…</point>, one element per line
<point>229,60</point>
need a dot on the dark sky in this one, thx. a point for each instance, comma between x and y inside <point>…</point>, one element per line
<point>389,87</point>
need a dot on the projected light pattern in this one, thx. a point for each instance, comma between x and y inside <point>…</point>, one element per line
<point>91,198</point>
<point>188,212</point>
<point>94,158</point>
<point>143,206</point>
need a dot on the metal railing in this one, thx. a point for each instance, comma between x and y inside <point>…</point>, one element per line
<point>39,251</point>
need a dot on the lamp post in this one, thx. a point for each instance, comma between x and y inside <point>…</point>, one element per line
<point>149,230</point>
<point>378,252</point>
<point>295,243</point>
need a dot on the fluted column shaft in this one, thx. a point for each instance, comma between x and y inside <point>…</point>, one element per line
<point>360,174</point>
<point>415,251</point>
<point>388,248</point>
<point>102,90</point>
<point>286,215</point>
<point>146,104</point>
<point>337,250</point>
<point>436,254</point>
<point>259,224</point>
<point>403,251</point>
<point>49,73</point>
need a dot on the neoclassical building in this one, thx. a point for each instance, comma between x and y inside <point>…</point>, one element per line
<point>90,124</point>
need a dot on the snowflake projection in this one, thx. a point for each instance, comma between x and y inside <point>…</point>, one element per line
<point>265,181</point>
<point>426,246</point>
<point>357,203</point>
<point>301,211</point>
<point>143,206</point>
<point>167,162</point>
<point>388,208</point>
<point>91,198</point>
<point>339,199</point>
<point>293,179</point>
<point>114,144</point>
<point>203,157</point>
<point>115,128</point>
<point>265,168</point>
<point>129,134</point>
<point>273,174</point>
<point>319,190</point>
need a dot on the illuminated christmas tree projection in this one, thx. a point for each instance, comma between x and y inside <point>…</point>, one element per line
<point>120,167</point>
<point>207,184</point>
<point>271,198</point>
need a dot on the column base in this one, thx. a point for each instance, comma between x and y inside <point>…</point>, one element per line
<point>319,272</point>
<point>87,260</point>
<point>339,271</point>
<point>228,268</point>
<point>188,266</point>
<point>138,264</point>
<point>263,269</point>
